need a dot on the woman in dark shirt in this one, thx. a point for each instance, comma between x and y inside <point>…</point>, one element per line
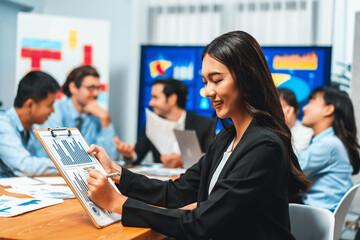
<point>240,188</point>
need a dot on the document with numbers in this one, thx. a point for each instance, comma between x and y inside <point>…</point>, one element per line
<point>66,147</point>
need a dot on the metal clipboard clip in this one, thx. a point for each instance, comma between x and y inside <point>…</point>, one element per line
<point>52,131</point>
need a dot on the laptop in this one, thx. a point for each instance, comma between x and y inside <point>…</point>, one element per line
<point>189,146</point>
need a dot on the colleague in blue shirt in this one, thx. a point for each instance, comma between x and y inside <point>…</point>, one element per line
<point>19,155</point>
<point>332,155</point>
<point>81,110</point>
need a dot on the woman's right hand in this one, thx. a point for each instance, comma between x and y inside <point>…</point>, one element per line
<point>103,158</point>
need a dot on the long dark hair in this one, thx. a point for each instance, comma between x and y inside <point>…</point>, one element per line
<point>344,121</point>
<point>243,56</point>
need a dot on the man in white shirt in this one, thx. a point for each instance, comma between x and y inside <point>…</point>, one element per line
<point>168,100</point>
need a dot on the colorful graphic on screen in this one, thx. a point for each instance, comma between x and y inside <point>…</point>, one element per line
<point>307,61</point>
<point>299,69</point>
<point>158,67</point>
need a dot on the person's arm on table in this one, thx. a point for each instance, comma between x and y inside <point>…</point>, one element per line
<point>18,159</point>
<point>173,160</point>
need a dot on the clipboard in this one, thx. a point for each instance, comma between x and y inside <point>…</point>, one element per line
<point>66,148</point>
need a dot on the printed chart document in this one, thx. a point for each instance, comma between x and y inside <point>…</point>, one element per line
<point>6,182</point>
<point>51,180</point>
<point>160,132</point>
<point>11,206</point>
<point>43,191</point>
<point>67,149</point>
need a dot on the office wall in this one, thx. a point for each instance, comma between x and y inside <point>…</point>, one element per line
<point>122,89</point>
<point>129,28</point>
<point>355,96</point>
<point>8,22</point>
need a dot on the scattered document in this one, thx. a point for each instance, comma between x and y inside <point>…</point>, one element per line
<point>43,191</point>
<point>160,132</point>
<point>159,171</point>
<point>51,180</point>
<point>11,206</point>
<point>159,178</point>
<point>18,181</point>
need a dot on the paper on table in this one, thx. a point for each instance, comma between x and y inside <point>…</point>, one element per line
<point>161,134</point>
<point>11,206</point>
<point>43,191</point>
<point>159,171</point>
<point>18,181</point>
<point>160,178</point>
<point>51,180</point>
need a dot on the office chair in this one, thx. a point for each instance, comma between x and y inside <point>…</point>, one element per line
<point>311,223</point>
<point>342,209</point>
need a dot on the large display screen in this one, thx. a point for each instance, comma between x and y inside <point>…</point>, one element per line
<point>299,69</point>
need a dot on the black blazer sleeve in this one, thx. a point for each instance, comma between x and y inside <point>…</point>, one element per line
<point>249,198</point>
<point>170,194</point>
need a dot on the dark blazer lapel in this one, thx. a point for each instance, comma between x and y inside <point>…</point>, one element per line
<point>221,146</point>
<point>212,160</point>
<point>239,151</point>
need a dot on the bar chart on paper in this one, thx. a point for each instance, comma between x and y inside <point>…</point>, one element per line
<point>67,149</point>
<point>70,150</point>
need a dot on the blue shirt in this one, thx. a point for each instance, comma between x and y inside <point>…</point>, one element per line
<point>326,163</point>
<point>66,115</point>
<point>19,155</point>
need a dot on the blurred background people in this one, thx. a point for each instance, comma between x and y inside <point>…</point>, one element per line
<point>301,135</point>
<point>168,100</point>
<point>81,110</point>
<point>19,154</point>
<point>333,154</point>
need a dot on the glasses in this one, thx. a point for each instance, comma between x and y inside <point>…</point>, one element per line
<point>92,88</point>
<point>89,88</point>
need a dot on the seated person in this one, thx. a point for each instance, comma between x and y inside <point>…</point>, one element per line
<point>81,110</point>
<point>239,189</point>
<point>332,155</point>
<point>168,101</point>
<point>19,155</point>
<point>301,135</point>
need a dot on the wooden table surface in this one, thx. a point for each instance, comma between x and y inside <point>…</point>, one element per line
<point>67,220</point>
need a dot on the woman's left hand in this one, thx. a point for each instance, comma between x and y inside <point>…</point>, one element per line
<point>102,193</point>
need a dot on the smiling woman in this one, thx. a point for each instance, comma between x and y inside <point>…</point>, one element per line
<point>241,186</point>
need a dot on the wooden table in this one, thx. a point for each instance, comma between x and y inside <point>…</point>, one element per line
<point>67,220</point>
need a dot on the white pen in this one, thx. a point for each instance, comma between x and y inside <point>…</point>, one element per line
<point>113,174</point>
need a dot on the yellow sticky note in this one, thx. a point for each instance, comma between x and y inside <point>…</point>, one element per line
<point>72,38</point>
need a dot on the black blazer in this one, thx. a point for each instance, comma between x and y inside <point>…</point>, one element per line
<point>201,125</point>
<point>249,200</point>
